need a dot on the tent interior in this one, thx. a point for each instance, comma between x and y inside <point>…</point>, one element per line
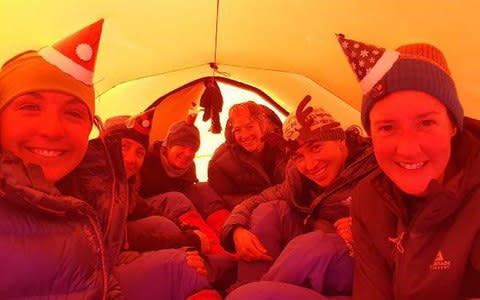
<point>281,49</point>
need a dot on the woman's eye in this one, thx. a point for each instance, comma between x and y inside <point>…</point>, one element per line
<point>428,123</point>
<point>30,107</point>
<point>77,114</point>
<point>385,128</point>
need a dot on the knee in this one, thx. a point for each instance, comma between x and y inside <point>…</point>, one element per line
<point>163,223</point>
<point>269,209</point>
<point>269,216</point>
<point>318,244</point>
<point>253,290</point>
<point>178,200</point>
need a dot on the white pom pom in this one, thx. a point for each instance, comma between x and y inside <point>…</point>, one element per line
<point>84,52</point>
<point>146,123</point>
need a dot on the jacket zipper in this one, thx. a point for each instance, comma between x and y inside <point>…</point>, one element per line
<point>102,253</point>
<point>256,166</point>
<point>113,191</point>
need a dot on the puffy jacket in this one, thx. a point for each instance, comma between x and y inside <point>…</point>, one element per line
<point>53,245</point>
<point>100,181</point>
<point>319,207</point>
<point>435,254</point>
<point>155,180</point>
<point>236,175</point>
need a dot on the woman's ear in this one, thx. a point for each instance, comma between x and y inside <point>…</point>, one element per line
<point>454,131</point>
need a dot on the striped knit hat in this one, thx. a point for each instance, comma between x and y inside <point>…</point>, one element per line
<point>308,124</point>
<point>420,67</point>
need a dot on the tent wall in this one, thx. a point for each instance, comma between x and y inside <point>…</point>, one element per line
<point>151,37</point>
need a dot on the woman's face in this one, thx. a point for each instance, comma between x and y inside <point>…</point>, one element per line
<point>411,134</point>
<point>247,132</point>
<point>180,156</point>
<point>133,154</point>
<point>321,161</point>
<point>48,129</point>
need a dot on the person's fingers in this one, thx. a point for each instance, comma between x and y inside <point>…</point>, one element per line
<point>257,244</point>
<point>343,222</point>
<point>206,247</point>
<point>194,259</point>
<point>245,254</point>
<point>192,252</point>
<point>202,272</point>
<point>255,254</point>
<point>196,262</point>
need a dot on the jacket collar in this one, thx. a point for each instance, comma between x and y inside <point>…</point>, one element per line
<point>26,186</point>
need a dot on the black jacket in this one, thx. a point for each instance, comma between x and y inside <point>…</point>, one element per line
<point>435,254</point>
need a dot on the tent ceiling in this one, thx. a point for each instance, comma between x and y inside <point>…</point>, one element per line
<point>289,40</point>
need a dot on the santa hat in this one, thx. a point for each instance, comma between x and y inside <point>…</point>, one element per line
<point>310,124</point>
<point>76,54</point>
<point>136,128</point>
<point>420,67</point>
<point>66,67</point>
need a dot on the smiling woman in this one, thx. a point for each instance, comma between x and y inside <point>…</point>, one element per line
<point>427,193</point>
<point>247,162</point>
<point>209,141</point>
<point>46,116</point>
<point>48,129</point>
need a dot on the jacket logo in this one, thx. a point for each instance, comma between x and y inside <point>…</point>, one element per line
<point>440,263</point>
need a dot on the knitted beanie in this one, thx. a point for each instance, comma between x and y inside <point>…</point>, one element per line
<point>65,67</point>
<point>184,134</point>
<point>308,124</point>
<point>419,67</point>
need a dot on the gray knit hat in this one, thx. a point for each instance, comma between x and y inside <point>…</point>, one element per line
<point>420,67</point>
<point>184,134</point>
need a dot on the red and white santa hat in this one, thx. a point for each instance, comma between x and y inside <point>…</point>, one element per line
<point>76,54</point>
<point>65,67</point>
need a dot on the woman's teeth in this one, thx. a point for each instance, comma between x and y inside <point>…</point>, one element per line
<point>411,166</point>
<point>46,153</point>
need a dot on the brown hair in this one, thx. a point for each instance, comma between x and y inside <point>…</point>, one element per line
<point>255,111</point>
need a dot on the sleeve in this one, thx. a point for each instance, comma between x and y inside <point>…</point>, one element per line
<point>150,241</point>
<point>141,210</point>
<point>470,286</point>
<point>233,200</point>
<point>240,215</point>
<point>372,277</point>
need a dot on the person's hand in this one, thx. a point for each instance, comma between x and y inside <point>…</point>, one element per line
<point>204,242</point>
<point>344,229</point>
<point>195,261</point>
<point>248,247</point>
